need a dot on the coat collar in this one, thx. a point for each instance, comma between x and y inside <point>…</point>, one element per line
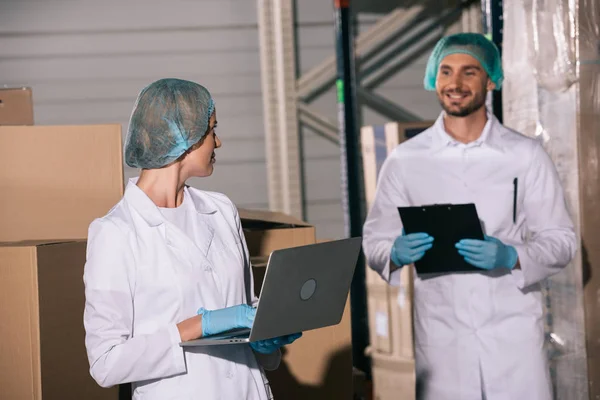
<point>491,135</point>
<point>151,213</point>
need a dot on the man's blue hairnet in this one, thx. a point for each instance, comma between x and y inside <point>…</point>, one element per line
<point>169,117</point>
<point>473,44</point>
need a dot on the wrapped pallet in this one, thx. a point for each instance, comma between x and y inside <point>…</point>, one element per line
<point>552,67</point>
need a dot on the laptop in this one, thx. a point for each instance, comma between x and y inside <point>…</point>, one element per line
<point>304,288</point>
<point>447,224</point>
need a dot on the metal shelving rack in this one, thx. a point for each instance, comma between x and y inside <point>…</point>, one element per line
<point>287,98</point>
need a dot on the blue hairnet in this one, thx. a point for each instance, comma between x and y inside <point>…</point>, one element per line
<point>169,117</point>
<point>473,44</point>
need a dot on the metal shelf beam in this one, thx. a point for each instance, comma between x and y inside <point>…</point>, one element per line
<point>367,45</point>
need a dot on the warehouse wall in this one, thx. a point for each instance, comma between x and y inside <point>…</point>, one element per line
<point>86,61</point>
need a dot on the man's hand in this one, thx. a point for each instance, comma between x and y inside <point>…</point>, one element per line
<point>488,254</point>
<point>410,248</point>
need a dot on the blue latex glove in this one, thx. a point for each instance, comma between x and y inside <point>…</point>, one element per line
<point>226,319</point>
<point>410,248</point>
<point>488,254</point>
<point>269,346</point>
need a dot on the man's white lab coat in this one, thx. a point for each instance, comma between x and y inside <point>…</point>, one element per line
<point>481,332</point>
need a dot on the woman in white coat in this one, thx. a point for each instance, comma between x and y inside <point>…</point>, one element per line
<point>169,263</point>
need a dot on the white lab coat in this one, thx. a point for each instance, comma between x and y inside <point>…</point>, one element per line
<point>143,275</point>
<point>478,333</point>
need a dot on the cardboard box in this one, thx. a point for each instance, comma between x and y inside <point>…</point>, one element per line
<point>55,180</point>
<point>319,365</point>
<point>390,321</point>
<point>390,309</point>
<point>266,231</point>
<point>41,309</point>
<point>16,106</point>
<point>393,378</point>
<point>377,142</point>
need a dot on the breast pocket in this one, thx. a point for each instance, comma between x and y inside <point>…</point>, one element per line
<point>519,315</point>
<point>495,205</point>
<point>229,248</point>
<point>161,389</point>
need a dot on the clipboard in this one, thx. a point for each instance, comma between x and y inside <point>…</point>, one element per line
<point>447,224</point>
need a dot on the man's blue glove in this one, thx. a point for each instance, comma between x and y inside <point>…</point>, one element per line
<point>269,346</point>
<point>226,319</point>
<point>410,248</point>
<point>488,254</point>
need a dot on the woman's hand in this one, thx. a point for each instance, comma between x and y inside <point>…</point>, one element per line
<point>211,322</point>
<point>269,346</point>
<point>190,329</point>
<point>226,319</point>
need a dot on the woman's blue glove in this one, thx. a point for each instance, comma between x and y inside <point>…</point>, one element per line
<point>269,346</point>
<point>488,254</point>
<point>410,248</point>
<point>226,319</point>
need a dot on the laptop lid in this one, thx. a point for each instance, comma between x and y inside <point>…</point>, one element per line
<point>305,288</point>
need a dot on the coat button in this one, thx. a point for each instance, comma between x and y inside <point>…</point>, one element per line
<point>207,268</point>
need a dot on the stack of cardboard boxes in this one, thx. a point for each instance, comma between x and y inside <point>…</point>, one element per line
<point>390,308</point>
<point>54,181</point>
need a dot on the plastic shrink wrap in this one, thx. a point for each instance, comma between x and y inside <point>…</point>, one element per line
<point>551,58</point>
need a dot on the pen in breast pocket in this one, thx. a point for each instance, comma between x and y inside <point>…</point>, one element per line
<point>515,184</point>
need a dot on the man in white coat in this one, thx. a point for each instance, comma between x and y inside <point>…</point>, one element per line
<point>478,335</point>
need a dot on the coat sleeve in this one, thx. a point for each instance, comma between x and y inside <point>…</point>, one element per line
<point>269,362</point>
<point>115,354</point>
<point>383,224</point>
<point>552,242</point>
